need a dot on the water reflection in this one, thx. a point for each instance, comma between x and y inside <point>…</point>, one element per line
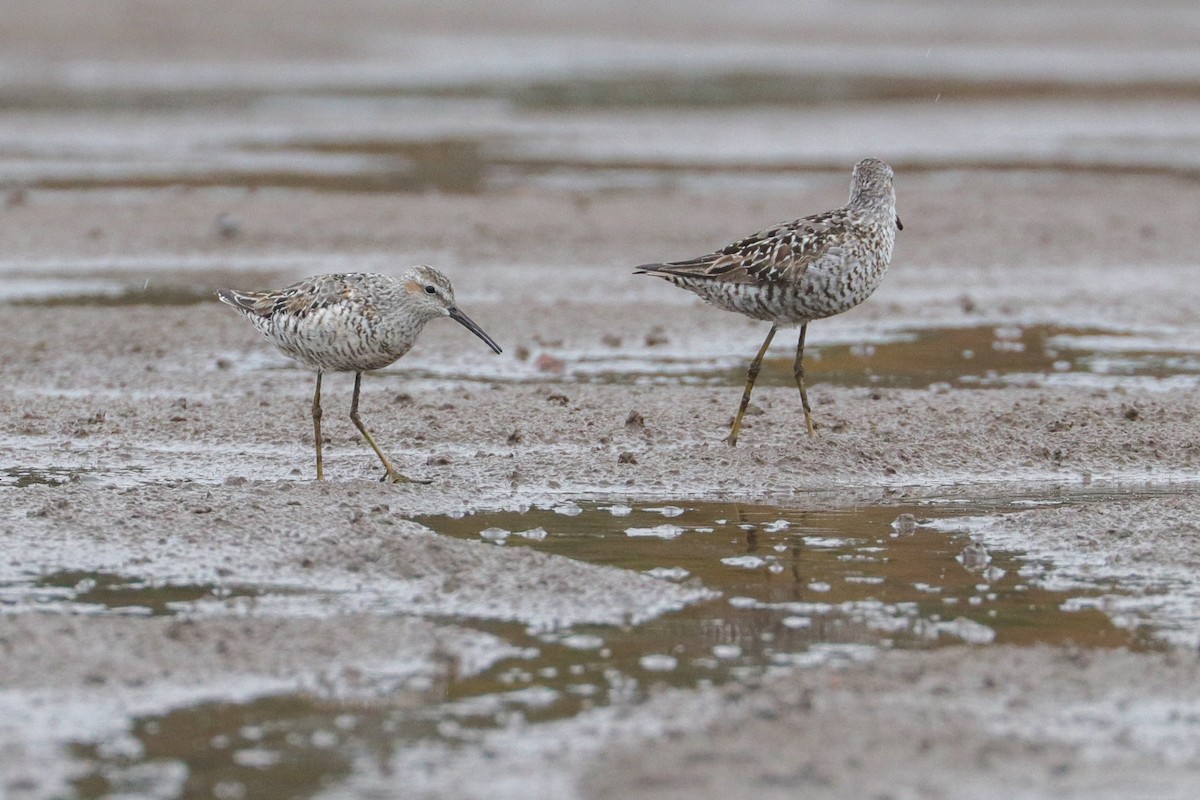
<point>798,587</point>
<point>982,356</point>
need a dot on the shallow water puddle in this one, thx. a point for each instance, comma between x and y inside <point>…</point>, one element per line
<point>986,355</point>
<point>78,592</point>
<point>114,294</point>
<point>871,575</point>
<point>22,477</point>
<point>982,356</point>
<point>274,747</point>
<point>798,587</point>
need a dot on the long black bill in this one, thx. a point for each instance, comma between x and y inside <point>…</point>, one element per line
<point>899,224</point>
<point>470,325</point>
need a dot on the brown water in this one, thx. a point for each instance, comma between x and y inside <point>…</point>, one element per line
<point>979,356</point>
<point>127,295</point>
<point>20,477</point>
<point>74,591</point>
<point>798,586</point>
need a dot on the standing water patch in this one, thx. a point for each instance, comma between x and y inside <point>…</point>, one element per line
<point>792,588</point>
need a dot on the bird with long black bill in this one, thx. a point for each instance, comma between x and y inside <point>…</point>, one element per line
<point>799,271</point>
<point>352,322</point>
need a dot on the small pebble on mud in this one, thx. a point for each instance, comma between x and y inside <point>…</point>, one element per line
<point>548,363</point>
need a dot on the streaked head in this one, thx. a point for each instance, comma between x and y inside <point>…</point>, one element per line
<point>873,185</point>
<point>872,178</point>
<point>432,296</point>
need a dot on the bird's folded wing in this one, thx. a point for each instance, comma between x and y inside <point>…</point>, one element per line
<point>301,298</point>
<point>781,253</point>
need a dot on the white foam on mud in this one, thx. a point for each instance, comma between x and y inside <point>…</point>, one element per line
<point>500,587</point>
<point>1114,725</point>
<point>664,531</point>
<point>824,541</point>
<point>1162,595</point>
<point>669,573</point>
<point>40,724</point>
<point>1095,381</point>
<point>1168,340</point>
<point>745,562</point>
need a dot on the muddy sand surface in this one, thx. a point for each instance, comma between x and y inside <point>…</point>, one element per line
<point>978,580</point>
<point>164,445</point>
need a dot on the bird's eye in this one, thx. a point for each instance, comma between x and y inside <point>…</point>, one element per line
<point>430,290</point>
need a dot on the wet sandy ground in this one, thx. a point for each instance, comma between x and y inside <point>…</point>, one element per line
<point>191,449</point>
<point>148,435</point>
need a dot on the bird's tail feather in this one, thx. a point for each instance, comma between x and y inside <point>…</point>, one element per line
<point>242,301</point>
<point>651,269</point>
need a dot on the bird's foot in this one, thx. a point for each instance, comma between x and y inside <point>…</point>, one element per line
<point>392,476</point>
<point>812,428</point>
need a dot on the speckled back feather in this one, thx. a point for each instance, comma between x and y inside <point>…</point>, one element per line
<point>779,253</point>
<point>300,298</point>
<point>805,269</point>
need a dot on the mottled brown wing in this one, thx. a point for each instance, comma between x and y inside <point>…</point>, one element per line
<point>298,299</point>
<point>781,253</point>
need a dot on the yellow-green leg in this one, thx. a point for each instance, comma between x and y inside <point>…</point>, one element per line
<point>751,377</point>
<point>316,411</point>
<point>392,475</point>
<point>798,371</point>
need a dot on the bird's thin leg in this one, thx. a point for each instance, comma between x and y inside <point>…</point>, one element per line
<point>316,411</point>
<point>392,475</point>
<point>798,370</point>
<point>751,377</point>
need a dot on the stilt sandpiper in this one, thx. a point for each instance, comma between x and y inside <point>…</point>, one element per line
<point>799,271</point>
<point>351,322</point>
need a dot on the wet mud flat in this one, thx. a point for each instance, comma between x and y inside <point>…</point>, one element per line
<point>990,547</point>
<point>999,513</point>
<point>979,579</point>
<point>592,567</point>
<point>348,647</point>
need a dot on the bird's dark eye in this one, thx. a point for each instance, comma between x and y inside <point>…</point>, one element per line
<point>430,290</point>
